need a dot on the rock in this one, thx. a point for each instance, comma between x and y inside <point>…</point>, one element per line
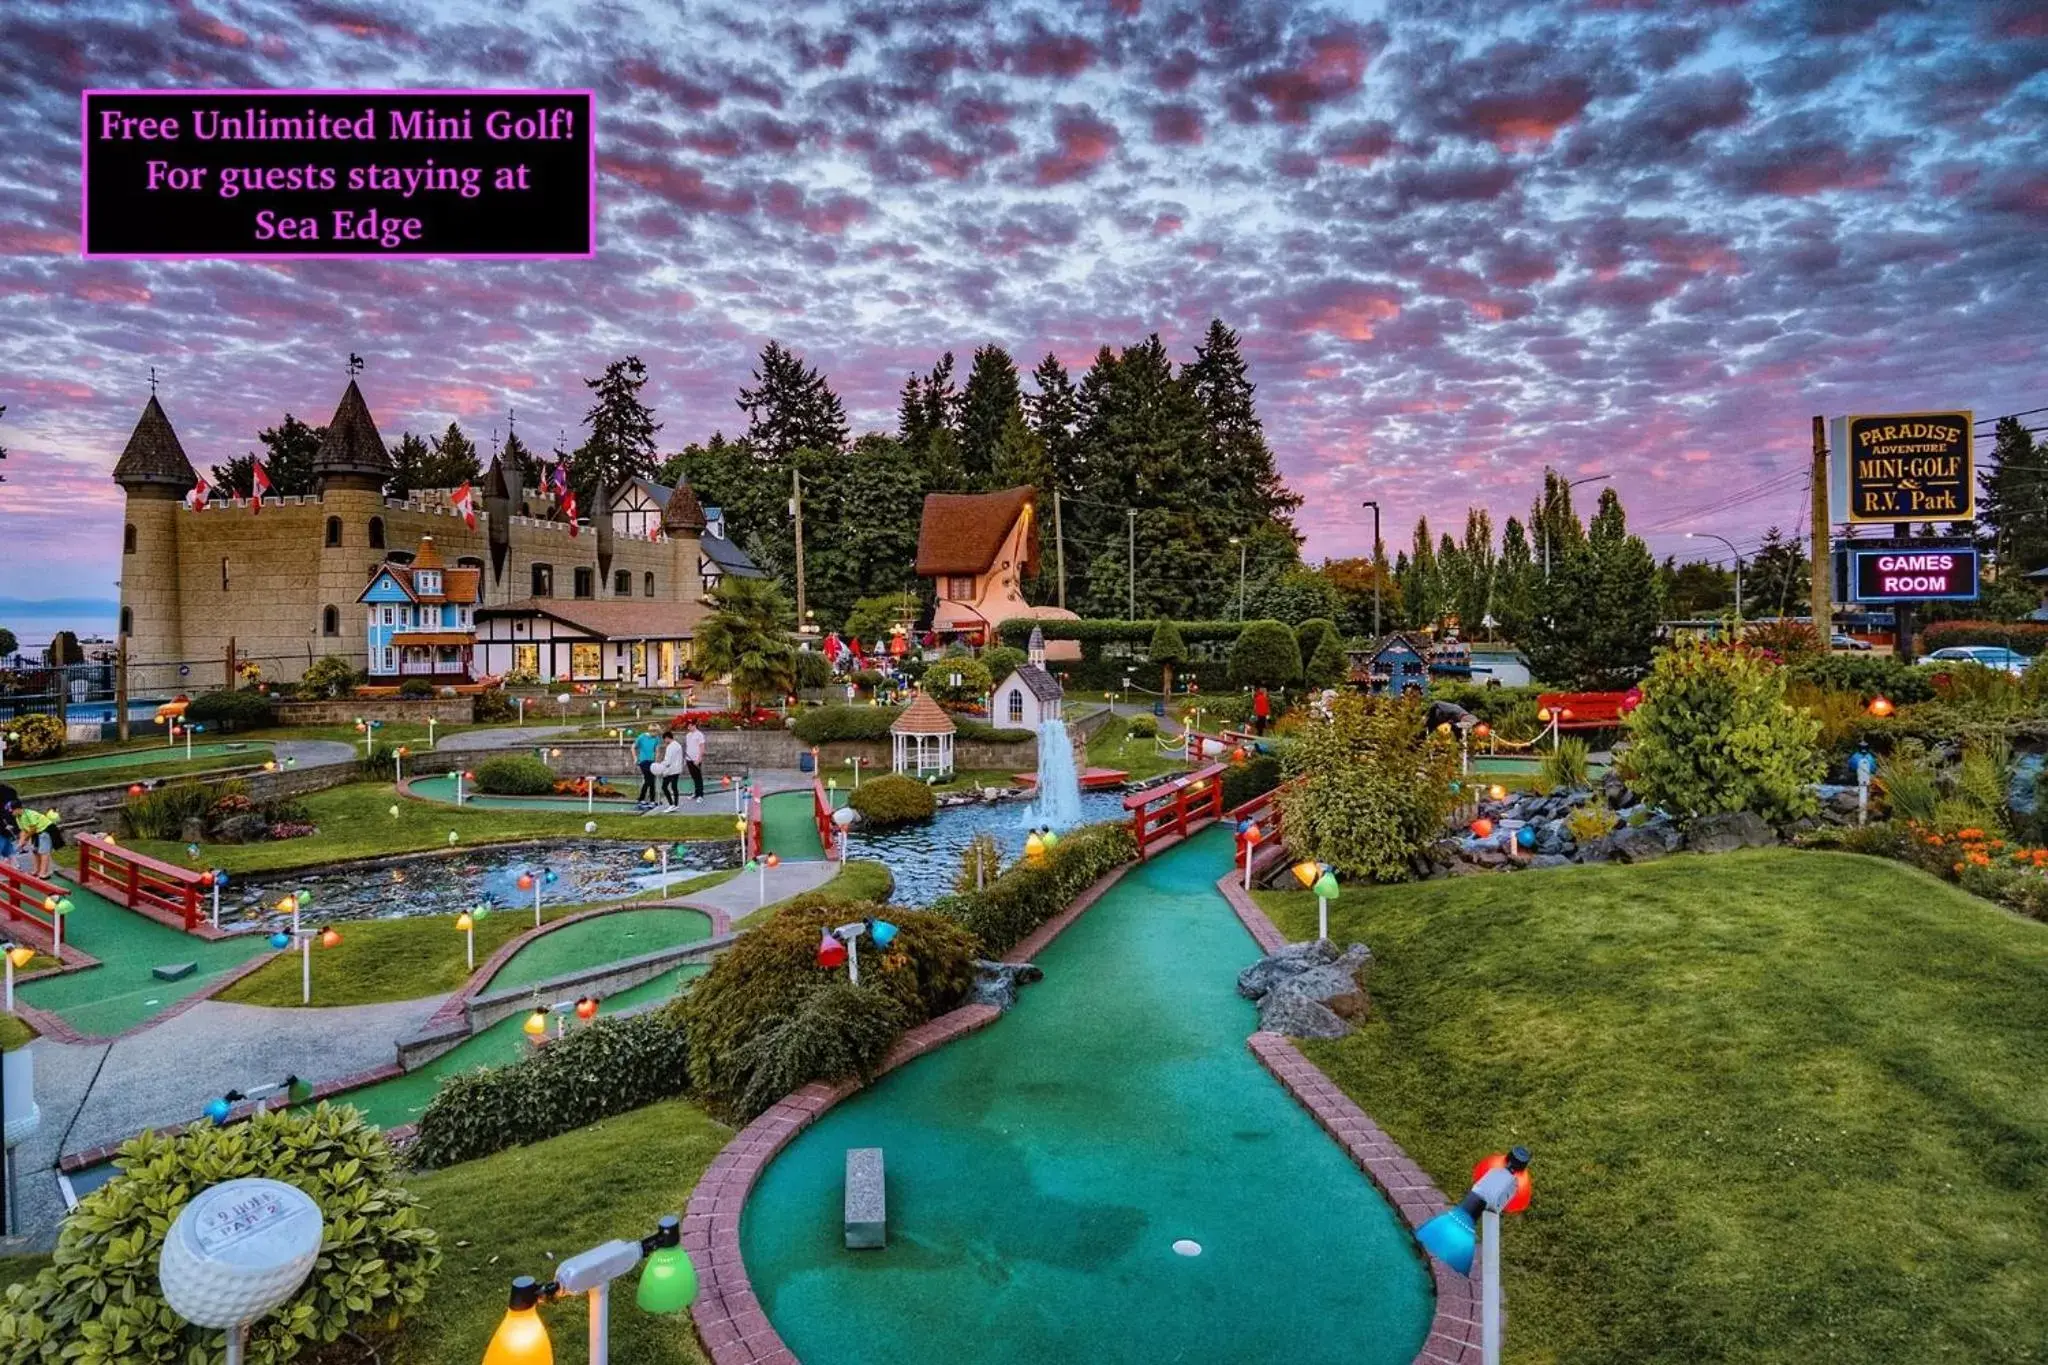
<point>1550,860</point>
<point>1636,844</point>
<point>2023,789</point>
<point>1551,837</point>
<point>1597,850</point>
<point>1485,856</point>
<point>997,983</point>
<point>1724,833</point>
<point>192,830</point>
<point>245,828</point>
<point>174,971</point>
<point>1615,790</point>
<point>1322,984</point>
<point>1288,1011</point>
<point>1291,961</point>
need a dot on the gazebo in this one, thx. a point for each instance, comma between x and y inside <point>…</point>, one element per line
<point>922,739</point>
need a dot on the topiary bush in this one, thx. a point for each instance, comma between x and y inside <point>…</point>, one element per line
<point>599,1069</point>
<point>1714,733</point>
<point>1370,789</point>
<point>762,986</point>
<point>1002,660</point>
<point>1309,635</point>
<point>1256,776</point>
<point>812,669</point>
<point>330,675</point>
<point>828,723</point>
<point>1030,892</point>
<point>515,775</point>
<point>891,800</point>
<point>416,687</point>
<point>35,737</point>
<point>244,709</point>
<point>1265,655</point>
<point>973,682</point>
<point>98,1302</point>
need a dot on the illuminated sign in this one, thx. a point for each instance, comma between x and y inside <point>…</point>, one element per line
<point>1908,466</point>
<point>1915,574</point>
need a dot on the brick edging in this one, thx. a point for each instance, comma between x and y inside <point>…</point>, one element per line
<point>1454,1329</point>
<point>731,1323</point>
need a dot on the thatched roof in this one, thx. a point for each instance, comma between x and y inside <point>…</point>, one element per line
<point>963,532</point>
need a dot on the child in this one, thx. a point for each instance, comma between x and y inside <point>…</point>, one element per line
<point>671,772</point>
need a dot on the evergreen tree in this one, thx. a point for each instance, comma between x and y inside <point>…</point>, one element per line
<point>1696,588</point>
<point>1421,586</point>
<point>409,460</point>
<point>1477,571</point>
<point>289,449</point>
<point>1777,579</point>
<point>987,404</point>
<point>1354,579</point>
<point>1515,583</point>
<point>455,460</point>
<point>2013,506</point>
<point>621,441</point>
<point>1020,458</point>
<point>1238,466</point>
<point>517,456</point>
<point>1166,650</point>
<point>1055,413</point>
<point>744,638</point>
<point>1597,614</point>
<point>1329,665</point>
<point>790,408</point>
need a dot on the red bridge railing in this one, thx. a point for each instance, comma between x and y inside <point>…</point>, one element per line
<point>821,814</point>
<point>138,882</point>
<point>750,838</point>
<point>1173,808</point>
<point>21,900</point>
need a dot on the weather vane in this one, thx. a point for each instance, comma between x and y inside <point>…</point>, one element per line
<point>152,381</point>
<point>355,364</point>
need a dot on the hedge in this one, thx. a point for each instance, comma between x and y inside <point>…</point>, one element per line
<point>892,800</point>
<point>515,775</point>
<point>1256,776</point>
<point>1867,675</point>
<point>1030,893</point>
<point>243,709</point>
<point>596,1070</point>
<point>1095,673</point>
<point>2022,637</point>
<point>829,724</point>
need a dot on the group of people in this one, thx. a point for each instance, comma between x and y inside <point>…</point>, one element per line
<point>662,760</point>
<point>26,833</point>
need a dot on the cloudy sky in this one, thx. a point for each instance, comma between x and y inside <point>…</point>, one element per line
<point>1462,238</point>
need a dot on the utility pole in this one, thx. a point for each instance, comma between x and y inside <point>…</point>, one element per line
<point>1823,558</point>
<point>1131,608</point>
<point>1377,555</point>
<point>1059,548</point>
<point>796,510</point>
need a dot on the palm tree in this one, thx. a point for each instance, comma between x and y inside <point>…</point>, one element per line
<point>745,639</point>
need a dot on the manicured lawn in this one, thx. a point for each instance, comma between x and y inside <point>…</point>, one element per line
<point>14,1031</point>
<point>405,959</point>
<point>355,821</point>
<point>857,880</point>
<point>522,1211</point>
<point>1783,1106</point>
<point>1141,757</point>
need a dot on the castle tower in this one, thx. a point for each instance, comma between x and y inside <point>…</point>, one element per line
<point>155,474</point>
<point>501,500</point>
<point>682,524</point>
<point>352,455</point>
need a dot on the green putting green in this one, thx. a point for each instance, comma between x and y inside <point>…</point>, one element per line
<point>134,758</point>
<point>598,940</point>
<point>1041,1171</point>
<point>787,829</point>
<point>121,993</point>
<point>441,787</point>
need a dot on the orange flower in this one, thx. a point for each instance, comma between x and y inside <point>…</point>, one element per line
<point>1980,859</point>
<point>1970,834</point>
<point>1934,841</point>
<point>1958,867</point>
<point>2019,855</point>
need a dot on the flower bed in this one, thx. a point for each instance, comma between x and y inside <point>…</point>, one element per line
<point>759,718</point>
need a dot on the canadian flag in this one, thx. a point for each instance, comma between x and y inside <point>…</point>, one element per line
<point>196,499</point>
<point>464,501</point>
<point>569,507</point>
<point>259,484</point>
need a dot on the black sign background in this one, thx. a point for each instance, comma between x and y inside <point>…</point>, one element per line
<point>552,217</point>
<point>1911,466</point>
<point>1869,578</point>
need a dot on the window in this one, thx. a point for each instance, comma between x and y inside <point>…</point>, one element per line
<point>1017,704</point>
<point>469,562</point>
<point>334,530</point>
<point>639,661</point>
<point>650,583</point>
<point>376,533</point>
<point>223,573</point>
<point>128,539</point>
<point>388,615</point>
<point>586,582</point>
<point>330,620</point>
<point>526,658</point>
<point>960,587</point>
<point>127,620</point>
<point>390,660</point>
<point>586,661</point>
<point>543,580</point>
<point>427,582</point>
<point>622,583</point>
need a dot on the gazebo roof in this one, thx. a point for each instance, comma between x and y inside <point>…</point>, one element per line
<point>923,717</point>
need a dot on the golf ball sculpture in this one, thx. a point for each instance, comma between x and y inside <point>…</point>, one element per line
<point>239,1250</point>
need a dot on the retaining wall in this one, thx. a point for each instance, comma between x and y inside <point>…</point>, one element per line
<point>349,710</point>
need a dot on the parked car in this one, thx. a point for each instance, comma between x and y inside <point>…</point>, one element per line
<point>1990,656</point>
<point>1841,639</point>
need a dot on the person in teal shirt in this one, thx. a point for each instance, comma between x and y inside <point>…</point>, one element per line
<point>645,746</point>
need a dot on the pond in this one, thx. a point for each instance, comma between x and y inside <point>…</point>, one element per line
<point>925,858</point>
<point>441,885</point>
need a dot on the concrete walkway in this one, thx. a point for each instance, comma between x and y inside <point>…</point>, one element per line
<point>505,737</point>
<point>742,895</point>
<point>315,753</point>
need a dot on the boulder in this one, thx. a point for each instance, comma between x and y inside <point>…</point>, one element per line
<point>1636,844</point>
<point>1597,850</point>
<point>1728,831</point>
<point>997,983</point>
<point>245,828</point>
<point>1290,961</point>
<point>2023,788</point>
<point>1288,1011</point>
<point>1550,860</point>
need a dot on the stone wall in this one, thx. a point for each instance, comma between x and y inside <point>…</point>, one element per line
<point>347,710</point>
<point>101,806</point>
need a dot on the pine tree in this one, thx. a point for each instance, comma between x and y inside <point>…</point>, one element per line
<point>790,408</point>
<point>1421,587</point>
<point>1776,579</point>
<point>2013,507</point>
<point>409,459</point>
<point>455,461</point>
<point>1477,572</point>
<point>1238,466</point>
<point>289,449</point>
<point>1514,583</point>
<point>1597,614</point>
<point>1166,650</point>
<point>620,446</point>
<point>1055,412</point>
<point>987,404</point>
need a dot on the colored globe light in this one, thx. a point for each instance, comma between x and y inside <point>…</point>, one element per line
<point>772,860</point>
<point>192,850</point>
<point>1482,827</point>
<point>21,955</point>
<point>50,905</point>
<point>548,875</point>
<point>668,1282</point>
<point>1034,846</point>
<point>1443,727</point>
<point>218,1110</point>
<point>394,812</point>
<point>305,898</point>
<point>554,753</point>
<point>330,938</point>
<point>1237,755</point>
<point>1497,792</point>
<point>297,1091</point>
<point>1326,886</point>
<point>403,751</point>
<point>482,911</point>
<point>1525,837</point>
<point>280,939</point>
<point>586,1008</point>
<point>464,922</point>
<point>288,904</point>
<point>64,905</point>
<point>1307,872</point>
<point>1050,838</point>
<point>451,836</point>
<point>135,789</point>
<point>469,777</point>
<point>740,825</point>
<point>526,881</point>
<point>1482,730</point>
<point>831,952</point>
<point>725,781</point>
<point>752,865</point>
<point>1254,834</point>
<point>1880,706</point>
<point>536,1024</point>
<point>1451,1238</point>
<point>521,1338</point>
<point>1524,1190</point>
<point>648,855</point>
<point>883,933</point>
<point>270,765</point>
<point>1543,714</point>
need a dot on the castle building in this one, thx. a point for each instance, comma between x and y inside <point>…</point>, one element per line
<point>285,587</point>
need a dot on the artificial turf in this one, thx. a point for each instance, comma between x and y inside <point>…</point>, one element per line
<point>1784,1106</point>
<point>144,765</point>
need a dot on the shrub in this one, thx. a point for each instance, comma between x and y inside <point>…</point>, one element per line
<point>812,669</point>
<point>981,862</point>
<point>1328,666</point>
<point>1788,640</point>
<point>1255,776</point>
<point>981,732</point>
<point>1309,635</point>
<point>493,706</point>
<point>597,1070</point>
<point>1372,787</point>
<point>2022,637</point>
<point>1001,661</point>
<point>1030,893</point>
<point>1565,768</point>
<point>1142,727</point>
<point>1166,649</point>
<point>162,812</point>
<point>515,775</point>
<point>99,1300</point>
<point>416,687</point>
<point>1714,733</point>
<point>1589,822</point>
<point>520,677</point>
<point>330,675</point>
<point>35,737</point>
<point>1509,710</point>
<point>892,799</point>
<point>762,985</point>
<point>246,709</point>
<point>1866,675</point>
<point>1265,655</point>
<point>825,724</point>
<point>973,682</point>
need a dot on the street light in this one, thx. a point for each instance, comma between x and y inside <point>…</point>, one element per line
<point>1238,541</point>
<point>1500,1184</point>
<point>1569,486</point>
<point>1709,535</point>
<point>1131,609</point>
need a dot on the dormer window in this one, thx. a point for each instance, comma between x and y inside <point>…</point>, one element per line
<point>427,582</point>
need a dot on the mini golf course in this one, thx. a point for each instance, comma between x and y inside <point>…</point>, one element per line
<point>787,829</point>
<point>1041,1170</point>
<point>598,939</point>
<point>254,752</point>
<point>441,787</point>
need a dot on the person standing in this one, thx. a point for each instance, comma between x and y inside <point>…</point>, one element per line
<point>1262,710</point>
<point>671,772</point>
<point>693,754</point>
<point>645,749</point>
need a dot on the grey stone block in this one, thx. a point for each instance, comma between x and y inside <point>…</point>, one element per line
<point>867,1201</point>
<point>174,971</point>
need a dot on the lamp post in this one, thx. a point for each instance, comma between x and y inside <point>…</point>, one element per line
<point>430,731</point>
<point>1709,535</point>
<point>1238,541</point>
<point>843,817</point>
<point>1591,478</point>
<point>1320,878</point>
<point>667,1285</point>
<point>1373,503</point>
<point>15,955</point>
<point>1500,1184</point>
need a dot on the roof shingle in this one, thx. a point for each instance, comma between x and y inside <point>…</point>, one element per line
<point>352,445</point>
<point>153,454</point>
<point>962,533</point>
<point>923,717</point>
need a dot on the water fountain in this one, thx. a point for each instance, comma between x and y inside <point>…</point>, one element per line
<point>1059,784</point>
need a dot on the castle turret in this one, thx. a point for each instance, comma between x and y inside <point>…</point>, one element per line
<point>682,524</point>
<point>352,454</point>
<point>155,474</point>
<point>501,500</point>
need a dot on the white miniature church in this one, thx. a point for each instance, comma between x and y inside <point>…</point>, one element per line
<point>1029,696</point>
